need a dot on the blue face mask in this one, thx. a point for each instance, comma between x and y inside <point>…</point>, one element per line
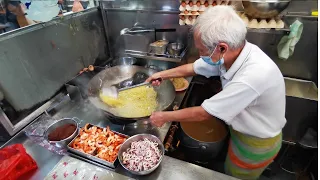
<point>209,61</point>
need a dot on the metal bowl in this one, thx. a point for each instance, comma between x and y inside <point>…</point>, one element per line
<point>264,9</point>
<point>64,142</point>
<point>175,49</point>
<point>139,137</point>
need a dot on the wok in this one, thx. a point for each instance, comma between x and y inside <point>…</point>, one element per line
<point>123,76</point>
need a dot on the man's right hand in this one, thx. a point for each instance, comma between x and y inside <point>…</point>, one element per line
<point>154,79</point>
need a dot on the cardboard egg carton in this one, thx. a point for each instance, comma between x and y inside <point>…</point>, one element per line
<point>191,9</point>
<point>273,23</point>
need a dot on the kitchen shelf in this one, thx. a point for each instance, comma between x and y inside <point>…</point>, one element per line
<point>151,56</point>
<point>285,30</point>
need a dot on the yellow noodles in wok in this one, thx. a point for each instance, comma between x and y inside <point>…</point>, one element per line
<point>136,102</point>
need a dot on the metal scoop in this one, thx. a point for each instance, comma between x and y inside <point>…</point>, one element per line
<point>113,91</point>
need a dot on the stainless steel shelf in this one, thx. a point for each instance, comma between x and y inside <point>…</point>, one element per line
<point>150,56</point>
<point>285,30</point>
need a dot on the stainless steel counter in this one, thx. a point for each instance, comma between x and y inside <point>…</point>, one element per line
<point>170,168</point>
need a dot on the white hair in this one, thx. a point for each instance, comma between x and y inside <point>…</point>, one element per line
<point>221,24</point>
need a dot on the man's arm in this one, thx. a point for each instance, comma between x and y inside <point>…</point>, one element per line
<point>181,71</point>
<point>183,115</point>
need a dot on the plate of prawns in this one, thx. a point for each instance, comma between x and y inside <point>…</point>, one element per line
<point>99,142</point>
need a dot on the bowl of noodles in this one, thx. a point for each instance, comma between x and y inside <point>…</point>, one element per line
<point>180,84</point>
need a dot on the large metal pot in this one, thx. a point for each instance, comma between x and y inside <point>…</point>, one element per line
<point>122,76</point>
<point>205,149</point>
<point>264,9</point>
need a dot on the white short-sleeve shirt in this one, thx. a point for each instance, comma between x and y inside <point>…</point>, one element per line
<point>253,97</point>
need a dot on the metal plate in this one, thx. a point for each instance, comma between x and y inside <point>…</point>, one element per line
<point>92,157</point>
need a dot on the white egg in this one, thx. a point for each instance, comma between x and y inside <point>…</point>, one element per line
<point>245,20</point>
<point>202,8</point>
<point>181,22</point>
<point>272,23</point>
<point>181,8</point>
<point>188,8</point>
<point>188,22</point>
<point>280,24</point>
<point>195,8</point>
<point>253,23</point>
<point>263,24</point>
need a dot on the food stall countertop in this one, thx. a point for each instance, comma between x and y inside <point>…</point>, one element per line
<point>169,168</point>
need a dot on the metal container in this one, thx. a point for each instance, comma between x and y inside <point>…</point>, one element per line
<point>159,47</point>
<point>206,149</point>
<point>124,61</point>
<point>61,122</point>
<point>139,137</point>
<point>92,157</point>
<point>175,49</point>
<point>264,9</point>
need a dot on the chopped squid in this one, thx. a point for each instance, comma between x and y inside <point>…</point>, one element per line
<point>142,155</point>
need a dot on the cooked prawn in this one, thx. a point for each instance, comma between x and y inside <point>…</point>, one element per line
<point>100,141</point>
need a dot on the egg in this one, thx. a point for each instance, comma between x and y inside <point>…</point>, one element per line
<point>181,8</point>
<point>202,1</point>
<point>181,22</point>
<point>188,8</point>
<point>272,24</point>
<point>210,1</point>
<point>188,21</point>
<point>195,8</point>
<point>263,24</point>
<point>280,24</point>
<point>183,4</point>
<point>186,12</point>
<point>245,20</point>
<point>206,4</point>
<point>253,23</point>
<point>198,3</point>
<point>202,8</point>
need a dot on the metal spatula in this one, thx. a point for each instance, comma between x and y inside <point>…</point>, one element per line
<point>113,91</point>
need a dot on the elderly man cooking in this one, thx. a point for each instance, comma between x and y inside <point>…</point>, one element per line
<point>252,101</point>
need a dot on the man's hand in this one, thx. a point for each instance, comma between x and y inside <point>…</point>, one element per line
<point>157,119</point>
<point>154,80</point>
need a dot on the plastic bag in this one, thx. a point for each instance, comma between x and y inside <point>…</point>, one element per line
<point>15,162</point>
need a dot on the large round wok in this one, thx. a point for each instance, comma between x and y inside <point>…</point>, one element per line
<point>122,76</point>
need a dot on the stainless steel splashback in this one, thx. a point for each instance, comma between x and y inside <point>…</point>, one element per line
<point>37,60</point>
<point>303,64</point>
<point>151,13</point>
